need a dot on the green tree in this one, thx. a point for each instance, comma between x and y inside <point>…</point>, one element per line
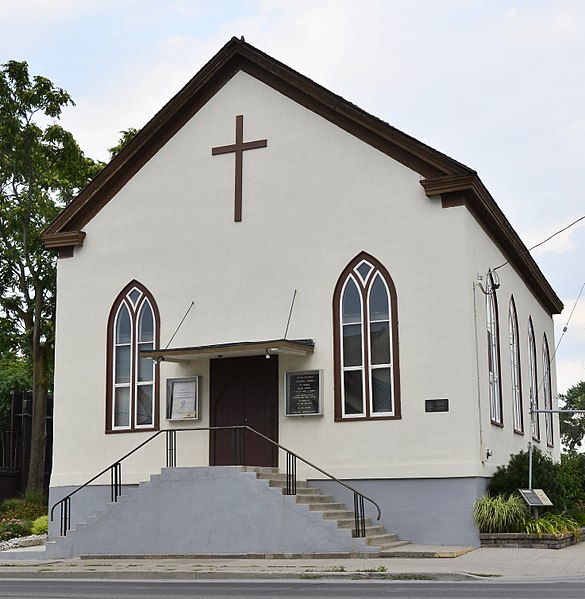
<point>573,425</point>
<point>127,136</point>
<point>15,375</point>
<point>41,169</point>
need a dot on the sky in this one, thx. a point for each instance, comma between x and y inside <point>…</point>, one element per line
<point>498,85</point>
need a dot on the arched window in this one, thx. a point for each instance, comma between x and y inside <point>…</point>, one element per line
<point>132,382</point>
<point>493,342</point>
<point>547,391</point>
<point>535,422</point>
<point>366,342</point>
<point>515,368</point>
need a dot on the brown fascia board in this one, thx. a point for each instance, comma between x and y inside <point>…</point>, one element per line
<point>237,55</point>
<point>480,203</point>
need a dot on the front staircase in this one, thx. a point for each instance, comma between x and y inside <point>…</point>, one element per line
<point>222,511</point>
<point>376,535</point>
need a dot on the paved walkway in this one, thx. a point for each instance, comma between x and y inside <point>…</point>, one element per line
<point>462,564</point>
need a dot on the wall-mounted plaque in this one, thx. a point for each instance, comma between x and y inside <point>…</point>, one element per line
<point>436,405</point>
<point>183,398</point>
<point>303,392</point>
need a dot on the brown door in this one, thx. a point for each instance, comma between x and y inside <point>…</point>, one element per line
<point>244,391</point>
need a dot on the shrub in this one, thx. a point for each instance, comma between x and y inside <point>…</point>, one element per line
<point>40,526</point>
<point>500,513</point>
<point>573,477</point>
<point>19,509</point>
<point>11,530</point>
<point>546,475</point>
<point>551,524</point>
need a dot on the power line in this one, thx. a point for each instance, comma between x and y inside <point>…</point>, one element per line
<point>542,242</point>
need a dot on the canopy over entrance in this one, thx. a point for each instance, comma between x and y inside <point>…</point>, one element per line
<point>241,348</point>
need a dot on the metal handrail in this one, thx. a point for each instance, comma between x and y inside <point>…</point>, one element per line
<point>116,475</point>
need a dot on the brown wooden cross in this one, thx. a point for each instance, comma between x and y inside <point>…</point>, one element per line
<point>239,148</point>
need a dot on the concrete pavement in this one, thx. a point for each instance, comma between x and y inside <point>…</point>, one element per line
<point>456,563</point>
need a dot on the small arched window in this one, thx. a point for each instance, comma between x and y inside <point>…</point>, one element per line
<point>547,391</point>
<point>493,342</point>
<point>366,342</point>
<point>517,408</point>
<point>132,381</point>
<point>533,379</point>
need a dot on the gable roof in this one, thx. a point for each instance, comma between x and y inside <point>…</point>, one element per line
<point>454,182</point>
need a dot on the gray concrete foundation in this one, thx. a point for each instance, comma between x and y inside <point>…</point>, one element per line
<point>430,511</point>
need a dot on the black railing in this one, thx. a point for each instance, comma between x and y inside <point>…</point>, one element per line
<point>115,471</point>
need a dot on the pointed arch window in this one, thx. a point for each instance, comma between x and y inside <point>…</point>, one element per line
<point>493,341</point>
<point>547,392</point>
<point>132,382</point>
<point>533,379</point>
<point>517,408</point>
<point>366,342</point>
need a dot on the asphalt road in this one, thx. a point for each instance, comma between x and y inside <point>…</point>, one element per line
<point>162,589</point>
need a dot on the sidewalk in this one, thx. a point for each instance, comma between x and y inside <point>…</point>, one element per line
<point>457,564</point>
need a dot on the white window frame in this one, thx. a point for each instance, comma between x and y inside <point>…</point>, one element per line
<point>516,379</point>
<point>495,389</point>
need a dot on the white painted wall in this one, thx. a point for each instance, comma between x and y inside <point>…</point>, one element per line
<point>312,200</point>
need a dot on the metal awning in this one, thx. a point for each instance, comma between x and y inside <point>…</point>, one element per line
<point>232,350</point>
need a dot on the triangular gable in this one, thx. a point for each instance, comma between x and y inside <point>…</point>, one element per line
<point>443,176</point>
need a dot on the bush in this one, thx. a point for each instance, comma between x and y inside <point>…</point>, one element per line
<point>11,530</point>
<point>573,477</point>
<point>546,475</point>
<point>19,509</point>
<point>41,525</point>
<point>552,524</point>
<point>500,513</point>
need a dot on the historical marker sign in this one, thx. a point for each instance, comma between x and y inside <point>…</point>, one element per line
<point>436,405</point>
<point>535,497</point>
<point>303,393</point>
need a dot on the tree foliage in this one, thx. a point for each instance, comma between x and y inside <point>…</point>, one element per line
<point>41,169</point>
<point>127,136</point>
<point>573,425</point>
<point>15,375</point>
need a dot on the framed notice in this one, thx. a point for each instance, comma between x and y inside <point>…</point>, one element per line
<point>183,398</point>
<point>303,391</point>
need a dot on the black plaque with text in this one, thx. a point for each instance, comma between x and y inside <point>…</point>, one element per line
<point>436,405</point>
<point>303,393</point>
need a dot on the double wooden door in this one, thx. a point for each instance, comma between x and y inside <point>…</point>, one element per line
<point>244,391</point>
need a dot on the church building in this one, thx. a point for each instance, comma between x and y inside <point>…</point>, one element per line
<point>265,254</point>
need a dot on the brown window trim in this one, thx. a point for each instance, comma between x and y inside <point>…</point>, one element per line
<point>338,415</point>
<point>533,381</point>
<point>109,429</point>
<point>548,418</point>
<point>492,287</point>
<point>513,313</point>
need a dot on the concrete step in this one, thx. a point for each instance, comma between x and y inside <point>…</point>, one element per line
<point>314,499</point>
<point>381,539</point>
<point>388,550</point>
<point>301,485</point>
<point>327,507</point>
<point>343,514</point>
<point>350,522</point>
<point>260,469</point>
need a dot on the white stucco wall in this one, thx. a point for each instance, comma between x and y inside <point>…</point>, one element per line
<point>502,441</point>
<point>312,200</point>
